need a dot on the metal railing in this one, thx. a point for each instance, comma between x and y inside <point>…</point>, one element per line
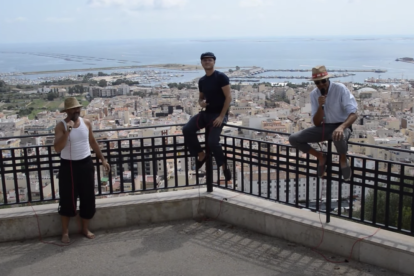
<point>380,193</point>
<point>25,168</point>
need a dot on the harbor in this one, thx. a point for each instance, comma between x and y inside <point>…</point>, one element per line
<point>142,75</point>
<point>252,78</point>
<point>154,74</point>
<point>329,70</point>
<point>258,74</point>
<point>388,81</point>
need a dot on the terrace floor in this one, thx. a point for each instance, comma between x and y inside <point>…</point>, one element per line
<point>174,248</point>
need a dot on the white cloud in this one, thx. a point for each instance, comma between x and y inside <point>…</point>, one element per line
<point>139,4</point>
<point>254,3</point>
<point>59,19</point>
<point>17,19</point>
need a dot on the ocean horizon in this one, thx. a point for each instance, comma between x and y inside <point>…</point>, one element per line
<point>339,52</point>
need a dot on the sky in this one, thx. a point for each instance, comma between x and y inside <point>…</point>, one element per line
<point>28,21</point>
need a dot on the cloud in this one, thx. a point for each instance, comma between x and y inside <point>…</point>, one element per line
<point>254,3</point>
<point>59,19</point>
<point>138,4</point>
<point>17,19</point>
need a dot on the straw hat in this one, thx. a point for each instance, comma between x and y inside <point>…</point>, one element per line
<point>70,103</point>
<point>319,73</point>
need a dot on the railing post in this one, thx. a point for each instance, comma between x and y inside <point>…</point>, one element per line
<point>3,178</point>
<point>209,163</point>
<point>328,182</point>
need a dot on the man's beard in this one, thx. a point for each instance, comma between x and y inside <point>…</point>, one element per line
<point>75,117</point>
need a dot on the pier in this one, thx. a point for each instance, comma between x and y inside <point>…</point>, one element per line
<point>329,70</point>
<point>388,81</point>
<point>254,78</point>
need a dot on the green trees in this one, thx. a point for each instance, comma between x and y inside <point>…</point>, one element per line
<point>180,85</point>
<point>103,83</point>
<point>51,96</point>
<point>127,82</point>
<point>60,82</point>
<point>77,89</point>
<point>393,209</point>
<point>4,87</point>
<point>92,82</point>
<point>25,111</point>
<point>86,79</point>
<point>21,86</point>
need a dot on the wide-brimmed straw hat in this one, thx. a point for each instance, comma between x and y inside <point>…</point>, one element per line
<point>319,73</point>
<point>70,103</point>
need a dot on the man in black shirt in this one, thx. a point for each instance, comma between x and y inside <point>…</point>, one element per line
<point>215,97</point>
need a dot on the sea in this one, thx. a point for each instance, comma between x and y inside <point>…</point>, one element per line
<point>340,52</point>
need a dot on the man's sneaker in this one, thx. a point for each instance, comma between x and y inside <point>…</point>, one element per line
<point>346,172</point>
<point>227,174</point>
<point>199,164</point>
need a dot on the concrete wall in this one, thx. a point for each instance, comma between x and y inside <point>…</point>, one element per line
<point>385,249</point>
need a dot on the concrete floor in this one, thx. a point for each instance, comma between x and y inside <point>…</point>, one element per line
<point>174,248</point>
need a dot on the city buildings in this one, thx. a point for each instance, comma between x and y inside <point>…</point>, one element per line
<point>384,120</point>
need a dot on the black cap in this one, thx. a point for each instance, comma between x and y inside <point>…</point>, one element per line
<point>208,54</point>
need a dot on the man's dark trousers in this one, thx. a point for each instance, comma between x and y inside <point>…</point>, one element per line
<point>200,121</point>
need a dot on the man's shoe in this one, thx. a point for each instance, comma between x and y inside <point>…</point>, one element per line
<point>199,163</point>
<point>227,174</point>
<point>346,172</point>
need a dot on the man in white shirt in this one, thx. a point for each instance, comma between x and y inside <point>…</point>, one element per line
<point>334,110</point>
<point>73,139</point>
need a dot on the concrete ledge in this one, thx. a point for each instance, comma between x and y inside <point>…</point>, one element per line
<point>21,223</point>
<point>386,249</point>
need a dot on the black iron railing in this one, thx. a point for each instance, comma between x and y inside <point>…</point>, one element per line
<point>138,165</point>
<point>380,192</point>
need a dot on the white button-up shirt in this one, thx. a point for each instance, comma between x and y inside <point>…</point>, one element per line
<point>338,105</point>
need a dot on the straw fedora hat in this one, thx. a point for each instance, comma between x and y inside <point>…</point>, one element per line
<point>70,103</point>
<point>319,73</point>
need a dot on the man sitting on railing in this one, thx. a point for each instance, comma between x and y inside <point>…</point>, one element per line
<point>73,139</point>
<point>215,97</point>
<point>334,110</point>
